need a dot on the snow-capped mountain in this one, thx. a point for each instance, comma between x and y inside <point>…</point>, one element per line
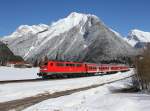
<point>76,37</point>
<point>138,38</point>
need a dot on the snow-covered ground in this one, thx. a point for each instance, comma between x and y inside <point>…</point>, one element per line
<point>15,91</point>
<point>97,99</point>
<point>10,73</point>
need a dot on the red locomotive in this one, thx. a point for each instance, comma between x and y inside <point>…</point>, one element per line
<point>71,69</point>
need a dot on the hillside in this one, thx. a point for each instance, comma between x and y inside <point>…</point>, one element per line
<point>78,37</point>
<point>6,55</point>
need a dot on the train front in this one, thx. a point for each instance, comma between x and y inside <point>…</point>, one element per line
<point>43,70</point>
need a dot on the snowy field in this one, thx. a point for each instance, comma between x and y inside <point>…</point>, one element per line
<point>10,73</point>
<point>97,99</point>
<point>15,91</point>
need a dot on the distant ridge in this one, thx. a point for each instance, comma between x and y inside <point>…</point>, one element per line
<point>138,38</point>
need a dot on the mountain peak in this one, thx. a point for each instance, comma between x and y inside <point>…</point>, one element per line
<point>76,15</point>
<point>136,32</point>
<point>33,28</point>
<point>137,36</point>
<point>141,35</point>
<point>60,26</point>
<point>72,19</point>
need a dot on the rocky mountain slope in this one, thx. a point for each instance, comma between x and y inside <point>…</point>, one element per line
<point>7,55</point>
<point>77,37</point>
<point>138,38</point>
<point>4,50</point>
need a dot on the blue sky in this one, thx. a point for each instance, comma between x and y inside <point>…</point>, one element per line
<point>120,15</point>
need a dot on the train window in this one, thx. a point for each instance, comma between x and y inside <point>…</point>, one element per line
<point>71,65</point>
<point>51,64</point>
<point>60,64</point>
<point>68,64</point>
<point>78,65</point>
<point>46,63</point>
<point>90,67</point>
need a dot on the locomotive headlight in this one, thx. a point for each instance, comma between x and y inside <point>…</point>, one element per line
<point>44,69</point>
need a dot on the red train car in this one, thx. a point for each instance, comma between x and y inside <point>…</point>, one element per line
<point>91,68</point>
<point>59,68</point>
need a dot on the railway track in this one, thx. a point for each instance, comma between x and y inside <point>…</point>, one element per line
<point>32,80</point>
<point>41,79</point>
<point>19,81</point>
<point>20,104</point>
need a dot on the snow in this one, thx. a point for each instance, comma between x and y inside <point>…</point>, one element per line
<point>25,29</point>
<point>57,28</point>
<point>10,73</point>
<point>65,24</point>
<point>27,32</point>
<point>97,99</point>
<point>141,35</point>
<point>31,48</point>
<point>116,33</point>
<point>15,91</point>
<point>132,42</point>
<point>136,36</point>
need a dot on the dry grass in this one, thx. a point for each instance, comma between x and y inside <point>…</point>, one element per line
<point>142,64</point>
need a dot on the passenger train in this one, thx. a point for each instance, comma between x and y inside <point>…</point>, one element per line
<point>72,69</point>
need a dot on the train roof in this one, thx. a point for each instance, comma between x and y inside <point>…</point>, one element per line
<point>86,63</point>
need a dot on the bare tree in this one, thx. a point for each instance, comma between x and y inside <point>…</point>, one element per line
<point>142,64</point>
<point>45,59</point>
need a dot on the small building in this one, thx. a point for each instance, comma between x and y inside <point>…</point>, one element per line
<point>18,64</point>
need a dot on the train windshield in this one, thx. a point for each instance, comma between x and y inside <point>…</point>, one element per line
<point>45,63</point>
